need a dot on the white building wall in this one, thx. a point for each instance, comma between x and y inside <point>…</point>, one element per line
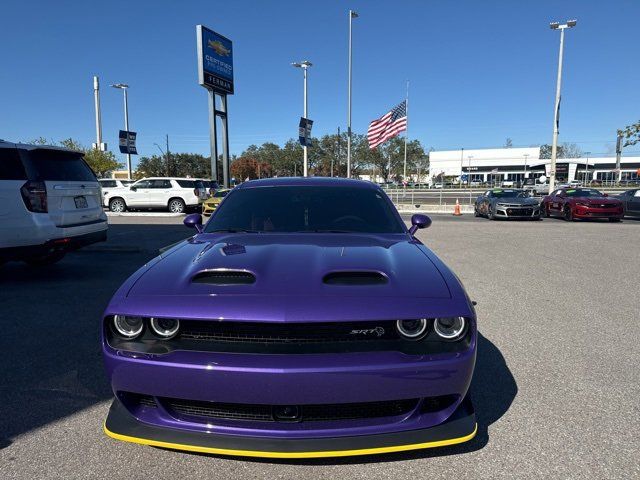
<point>478,161</point>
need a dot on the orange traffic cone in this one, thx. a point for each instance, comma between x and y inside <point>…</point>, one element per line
<point>456,210</point>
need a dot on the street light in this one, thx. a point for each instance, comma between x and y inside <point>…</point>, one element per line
<point>556,113</point>
<point>352,15</point>
<point>124,87</point>
<point>526,157</point>
<point>304,65</point>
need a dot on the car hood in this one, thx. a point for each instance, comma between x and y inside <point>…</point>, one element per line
<point>295,265</point>
<point>597,200</point>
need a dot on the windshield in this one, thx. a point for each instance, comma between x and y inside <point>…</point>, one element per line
<point>583,193</point>
<point>305,209</point>
<point>509,193</point>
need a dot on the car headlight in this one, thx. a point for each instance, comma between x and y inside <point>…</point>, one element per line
<point>165,327</point>
<point>412,329</point>
<point>501,205</point>
<point>128,326</point>
<point>449,327</point>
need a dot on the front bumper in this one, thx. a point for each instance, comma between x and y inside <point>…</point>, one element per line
<point>64,243</point>
<point>524,211</point>
<point>458,428</point>
<point>597,212</point>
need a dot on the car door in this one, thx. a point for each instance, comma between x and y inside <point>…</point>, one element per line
<point>160,193</point>
<point>556,203</point>
<point>138,194</point>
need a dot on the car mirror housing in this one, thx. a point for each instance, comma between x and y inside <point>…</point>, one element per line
<point>133,189</point>
<point>419,221</point>
<point>194,221</point>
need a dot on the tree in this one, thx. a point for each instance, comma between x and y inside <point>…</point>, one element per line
<point>571,150</point>
<point>191,165</point>
<point>508,143</point>
<point>545,152</point>
<point>631,133</point>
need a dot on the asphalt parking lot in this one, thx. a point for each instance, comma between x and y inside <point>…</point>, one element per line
<point>556,386</point>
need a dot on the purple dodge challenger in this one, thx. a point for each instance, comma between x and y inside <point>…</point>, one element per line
<point>303,320</point>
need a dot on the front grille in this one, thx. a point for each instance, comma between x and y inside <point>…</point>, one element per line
<point>303,413</point>
<point>520,212</point>
<point>290,333</point>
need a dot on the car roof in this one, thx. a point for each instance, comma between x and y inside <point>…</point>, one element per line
<point>308,182</point>
<point>29,146</point>
<point>169,178</point>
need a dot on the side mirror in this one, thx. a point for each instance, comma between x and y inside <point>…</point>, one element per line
<point>419,221</point>
<point>605,194</point>
<point>194,221</point>
<point>133,189</point>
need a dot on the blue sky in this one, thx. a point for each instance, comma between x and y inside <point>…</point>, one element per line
<point>480,71</point>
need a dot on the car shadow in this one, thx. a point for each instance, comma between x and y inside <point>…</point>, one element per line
<point>50,318</point>
<point>493,390</point>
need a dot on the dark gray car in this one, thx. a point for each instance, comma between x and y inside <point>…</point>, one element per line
<point>631,202</point>
<point>506,203</point>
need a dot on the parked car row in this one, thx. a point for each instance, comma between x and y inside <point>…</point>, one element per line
<point>565,202</point>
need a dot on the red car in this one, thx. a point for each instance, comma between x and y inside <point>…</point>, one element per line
<point>573,203</point>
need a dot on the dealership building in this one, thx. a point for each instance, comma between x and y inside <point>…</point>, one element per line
<point>500,164</point>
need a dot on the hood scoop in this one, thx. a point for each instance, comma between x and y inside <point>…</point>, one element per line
<point>355,278</point>
<point>224,277</point>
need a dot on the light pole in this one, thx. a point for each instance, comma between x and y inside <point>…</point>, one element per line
<point>526,157</point>
<point>124,87</point>
<point>352,15</point>
<point>469,172</point>
<point>304,65</point>
<point>96,98</point>
<point>556,113</point>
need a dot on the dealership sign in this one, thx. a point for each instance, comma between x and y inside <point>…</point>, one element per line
<point>304,131</point>
<point>127,142</point>
<point>215,61</point>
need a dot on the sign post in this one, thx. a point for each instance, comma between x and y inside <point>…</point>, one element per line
<point>215,73</point>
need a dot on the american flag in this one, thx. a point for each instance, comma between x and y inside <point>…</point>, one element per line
<point>387,126</point>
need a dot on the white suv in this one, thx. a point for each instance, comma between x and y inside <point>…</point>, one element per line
<point>108,185</point>
<point>174,194</point>
<point>49,203</point>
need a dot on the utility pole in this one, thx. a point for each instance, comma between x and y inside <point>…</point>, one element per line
<point>619,155</point>
<point>352,15</point>
<point>168,157</point>
<point>339,152</point>
<point>556,113</point>
<point>305,66</point>
<point>96,98</point>
<point>124,87</point>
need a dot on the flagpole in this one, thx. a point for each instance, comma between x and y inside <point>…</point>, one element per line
<point>406,134</point>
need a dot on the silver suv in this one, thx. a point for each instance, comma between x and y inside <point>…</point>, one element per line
<point>49,203</point>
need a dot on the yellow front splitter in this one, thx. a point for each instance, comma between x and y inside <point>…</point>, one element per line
<point>321,454</point>
<point>131,430</point>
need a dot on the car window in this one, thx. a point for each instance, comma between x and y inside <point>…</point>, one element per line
<point>160,184</point>
<point>142,184</point>
<point>46,164</point>
<point>221,193</point>
<point>186,183</point>
<point>306,209</point>
<point>11,167</point>
<point>108,183</point>
<point>637,194</point>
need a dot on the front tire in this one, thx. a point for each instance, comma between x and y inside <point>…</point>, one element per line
<point>568,213</point>
<point>46,259</point>
<point>117,205</point>
<point>475,211</point>
<point>177,205</point>
<point>490,214</point>
<point>544,210</point>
